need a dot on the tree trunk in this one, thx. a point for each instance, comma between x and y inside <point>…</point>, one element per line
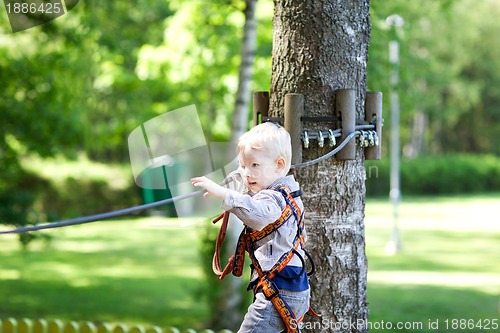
<point>231,301</point>
<point>320,46</point>
<point>239,122</point>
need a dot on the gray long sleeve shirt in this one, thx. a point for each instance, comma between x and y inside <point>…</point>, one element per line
<point>260,209</point>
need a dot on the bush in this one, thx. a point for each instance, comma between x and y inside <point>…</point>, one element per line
<point>448,174</point>
<point>32,195</point>
<point>78,197</point>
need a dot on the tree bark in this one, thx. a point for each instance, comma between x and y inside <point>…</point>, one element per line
<point>320,46</point>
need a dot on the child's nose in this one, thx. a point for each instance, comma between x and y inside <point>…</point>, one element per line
<point>246,172</point>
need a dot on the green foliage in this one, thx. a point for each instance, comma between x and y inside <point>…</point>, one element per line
<point>100,188</point>
<point>85,80</point>
<point>448,71</point>
<point>16,198</point>
<point>44,190</point>
<point>448,174</point>
<point>199,58</point>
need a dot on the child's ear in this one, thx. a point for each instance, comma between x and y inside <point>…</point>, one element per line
<point>280,163</point>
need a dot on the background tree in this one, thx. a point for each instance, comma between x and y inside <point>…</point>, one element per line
<point>230,300</point>
<point>446,98</point>
<point>319,47</point>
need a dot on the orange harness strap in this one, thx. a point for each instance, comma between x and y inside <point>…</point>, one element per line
<point>241,246</point>
<point>245,244</point>
<point>221,236</point>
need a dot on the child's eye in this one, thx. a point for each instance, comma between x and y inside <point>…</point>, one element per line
<point>254,165</point>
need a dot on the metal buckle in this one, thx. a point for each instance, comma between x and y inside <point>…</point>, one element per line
<point>272,286</point>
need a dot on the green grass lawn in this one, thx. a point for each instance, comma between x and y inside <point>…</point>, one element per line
<point>140,271</point>
<point>147,270</point>
<point>449,266</point>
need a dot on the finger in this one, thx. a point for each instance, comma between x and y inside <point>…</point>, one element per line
<point>197,181</point>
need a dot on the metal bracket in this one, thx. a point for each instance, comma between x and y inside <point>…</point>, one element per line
<point>368,130</point>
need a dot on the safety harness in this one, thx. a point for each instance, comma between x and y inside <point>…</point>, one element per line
<point>247,243</point>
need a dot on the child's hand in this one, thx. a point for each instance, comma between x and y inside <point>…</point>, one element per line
<point>212,188</point>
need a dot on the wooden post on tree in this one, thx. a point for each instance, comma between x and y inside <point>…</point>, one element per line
<point>260,105</point>
<point>315,55</point>
<point>345,107</point>
<point>374,111</point>
<point>294,107</point>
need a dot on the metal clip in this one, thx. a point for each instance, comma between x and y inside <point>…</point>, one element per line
<point>332,139</point>
<point>371,138</point>
<point>306,140</point>
<point>376,138</point>
<point>365,137</point>
<point>321,139</point>
<point>361,139</point>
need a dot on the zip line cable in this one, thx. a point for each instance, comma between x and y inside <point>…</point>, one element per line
<point>102,216</point>
<point>134,209</point>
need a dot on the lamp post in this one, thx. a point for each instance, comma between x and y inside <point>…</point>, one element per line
<point>394,245</point>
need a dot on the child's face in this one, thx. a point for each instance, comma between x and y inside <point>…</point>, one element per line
<point>259,170</point>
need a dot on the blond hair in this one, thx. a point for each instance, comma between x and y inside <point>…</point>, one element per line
<point>269,138</point>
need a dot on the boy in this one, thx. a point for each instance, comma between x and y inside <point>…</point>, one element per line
<point>265,157</point>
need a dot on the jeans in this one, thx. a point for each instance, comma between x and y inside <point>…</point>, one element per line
<point>262,317</point>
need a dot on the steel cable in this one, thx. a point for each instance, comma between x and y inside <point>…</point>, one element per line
<point>134,209</point>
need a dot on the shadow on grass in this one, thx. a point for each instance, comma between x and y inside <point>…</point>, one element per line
<point>419,306</point>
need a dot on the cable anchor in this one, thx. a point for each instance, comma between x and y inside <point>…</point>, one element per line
<point>321,139</point>
<point>331,137</point>
<point>306,140</point>
<point>371,138</point>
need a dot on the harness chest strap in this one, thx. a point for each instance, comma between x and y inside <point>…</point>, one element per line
<point>236,262</point>
<point>269,288</point>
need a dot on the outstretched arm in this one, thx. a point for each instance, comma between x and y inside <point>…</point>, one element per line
<point>256,212</point>
<point>212,188</point>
